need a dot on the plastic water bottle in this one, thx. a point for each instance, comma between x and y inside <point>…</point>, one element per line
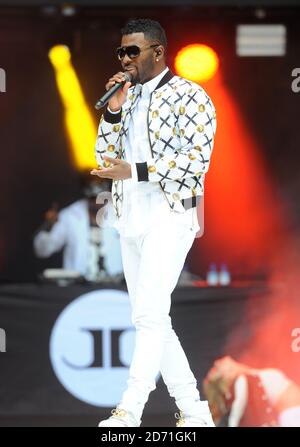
<point>224,276</point>
<point>212,275</point>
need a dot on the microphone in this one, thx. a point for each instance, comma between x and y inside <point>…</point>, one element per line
<point>106,97</point>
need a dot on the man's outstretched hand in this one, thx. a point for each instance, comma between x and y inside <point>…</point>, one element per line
<point>118,169</point>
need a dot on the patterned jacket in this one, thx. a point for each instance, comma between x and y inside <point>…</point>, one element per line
<point>181,130</point>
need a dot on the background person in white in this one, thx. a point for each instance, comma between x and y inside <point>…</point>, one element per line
<point>88,249</point>
<point>155,140</point>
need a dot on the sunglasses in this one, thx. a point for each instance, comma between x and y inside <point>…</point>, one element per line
<point>132,51</point>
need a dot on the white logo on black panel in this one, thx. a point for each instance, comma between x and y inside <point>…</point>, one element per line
<point>91,346</point>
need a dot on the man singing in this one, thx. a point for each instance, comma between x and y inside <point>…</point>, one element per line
<point>155,141</point>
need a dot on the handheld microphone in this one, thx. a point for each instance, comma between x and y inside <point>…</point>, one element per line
<point>106,97</point>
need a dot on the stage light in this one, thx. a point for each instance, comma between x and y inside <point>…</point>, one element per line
<point>79,121</point>
<point>197,62</point>
<point>68,10</point>
<point>59,56</point>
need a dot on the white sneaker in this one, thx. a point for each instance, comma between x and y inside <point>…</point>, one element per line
<point>201,420</point>
<point>120,418</point>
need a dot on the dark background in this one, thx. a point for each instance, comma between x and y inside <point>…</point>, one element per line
<point>35,164</point>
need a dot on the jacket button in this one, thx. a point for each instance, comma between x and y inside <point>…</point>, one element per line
<point>151,169</point>
<point>200,128</point>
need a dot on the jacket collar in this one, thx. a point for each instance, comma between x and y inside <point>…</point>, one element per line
<point>167,77</point>
<point>164,80</point>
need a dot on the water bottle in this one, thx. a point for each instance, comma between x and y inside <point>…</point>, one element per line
<point>224,276</point>
<point>212,275</point>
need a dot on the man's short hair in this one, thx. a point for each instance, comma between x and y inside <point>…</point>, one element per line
<point>151,28</point>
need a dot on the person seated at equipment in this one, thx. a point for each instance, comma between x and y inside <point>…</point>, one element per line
<point>90,249</point>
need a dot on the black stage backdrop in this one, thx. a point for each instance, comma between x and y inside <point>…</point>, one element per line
<point>30,393</point>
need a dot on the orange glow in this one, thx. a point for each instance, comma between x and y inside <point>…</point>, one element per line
<point>243,215</point>
<point>246,226</point>
<point>197,62</point>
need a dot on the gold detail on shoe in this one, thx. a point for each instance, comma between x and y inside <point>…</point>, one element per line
<point>192,157</point>
<point>176,196</point>
<point>157,134</point>
<point>131,97</point>
<point>181,110</point>
<point>106,163</point>
<point>194,192</point>
<point>116,128</point>
<point>174,131</point>
<point>111,148</point>
<point>172,108</point>
<point>201,108</point>
<point>155,113</point>
<point>118,412</point>
<point>172,164</point>
<point>182,132</point>
<point>158,95</point>
<point>198,148</point>
<point>181,420</point>
<point>152,169</point>
<point>200,128</point>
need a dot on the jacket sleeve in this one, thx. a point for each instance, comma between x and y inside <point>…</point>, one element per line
<point>196,127</point>
<point>108,138</point>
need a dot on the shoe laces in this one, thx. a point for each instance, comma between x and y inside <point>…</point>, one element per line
<point>181,420</point>
<point>118,412</point>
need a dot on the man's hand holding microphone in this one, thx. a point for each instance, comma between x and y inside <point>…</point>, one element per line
<point>117,88</point>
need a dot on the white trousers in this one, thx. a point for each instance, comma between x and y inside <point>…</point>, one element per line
<point>152,264</point>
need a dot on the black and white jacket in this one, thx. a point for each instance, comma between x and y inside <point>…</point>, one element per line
<point>181,130</point>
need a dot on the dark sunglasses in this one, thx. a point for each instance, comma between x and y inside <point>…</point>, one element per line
<point>132,51</point>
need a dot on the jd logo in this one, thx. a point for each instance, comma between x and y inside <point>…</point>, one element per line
<point>91,346</point>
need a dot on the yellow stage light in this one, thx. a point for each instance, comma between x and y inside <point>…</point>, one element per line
<point>197,62</point>
<point>59,55</point>
<point>79,121</point>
